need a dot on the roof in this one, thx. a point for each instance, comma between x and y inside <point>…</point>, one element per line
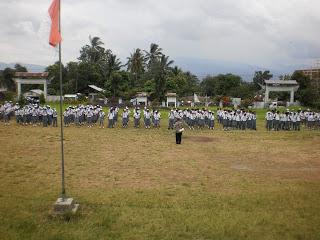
<point>96,88</point>
<point>31,75</point>
<point>70,95</point>
<point>141,94</point>
<point>281,82</point>
<point>37,91</point>
<point>171,95</point>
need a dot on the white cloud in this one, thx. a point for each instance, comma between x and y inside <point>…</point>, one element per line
<point>257,32</point>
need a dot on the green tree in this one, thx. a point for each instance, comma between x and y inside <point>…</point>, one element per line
<point>115,80</point>
<point>136,65</point>
<point>306,94</point>
<point>209,85</point>
<point>22,101</point>
<point>222,84</point>
<point>191,84</point>
<point>124,88</point>
<point>71,80</point>
<point>93,52</point>
<point>226,83</point>
<point>42,99</point>
<point>89,73</point>
<point>8,75</point>
<point>19,68</point>
<point>112,65</point>
<point>259,78</point>
<point>246,90</point>
<point>54,77</point>
<point>285,77</point>
<point>159,72</point>
<point>153,55</point>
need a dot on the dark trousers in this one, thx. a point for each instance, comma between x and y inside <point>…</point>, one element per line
<point>178,138</point>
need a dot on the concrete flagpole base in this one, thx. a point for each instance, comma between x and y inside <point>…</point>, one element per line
<point>65,205</point>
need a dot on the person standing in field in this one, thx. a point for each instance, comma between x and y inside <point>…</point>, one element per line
<point>54,118</point>
<point>125,118</point>
<point>136,117</point>
<point>179,129</point>
<point>101,118</point>
<point>111,118</point>
<point>147,118</point>
<point>171,119</point>
<point>157,117</point>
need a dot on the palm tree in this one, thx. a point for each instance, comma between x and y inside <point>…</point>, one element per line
<point>94,52</point>
<point>153,55</point>
<point>136,65</point>
<point>95,42</point>
<point>176,71</point>
<point>111,65</point>
<point>160,70</point>
<point>165,63</point>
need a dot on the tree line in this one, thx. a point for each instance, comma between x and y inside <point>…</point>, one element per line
<point>149,71</point>
<point>152,71</point>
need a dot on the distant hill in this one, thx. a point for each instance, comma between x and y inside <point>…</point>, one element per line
<point>203,67</point>
<point>30,67</point>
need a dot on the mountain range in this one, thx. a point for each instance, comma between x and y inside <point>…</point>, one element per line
<point>30,67</point>
<point>202,68</point>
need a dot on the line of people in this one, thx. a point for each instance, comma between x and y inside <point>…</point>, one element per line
<point>90,115</point>
<point>31,114</point>
<point>292,120</point>
<point>7,111</point>
<point>237,119</point>
<point>193,118</point>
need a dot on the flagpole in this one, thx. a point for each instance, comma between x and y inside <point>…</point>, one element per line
<point>63,190</point>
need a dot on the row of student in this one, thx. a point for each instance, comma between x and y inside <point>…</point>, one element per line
<point>31,114</point>
<point>237,119</point>
<point>194,118</point>
<point>90,115</point>
<point>7,111</point>
<point>292,120</point>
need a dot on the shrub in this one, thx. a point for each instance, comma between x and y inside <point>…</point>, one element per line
<point>7,96</point>
<point>42,99</point>
<point>22,100</point>
<point>246,102</point>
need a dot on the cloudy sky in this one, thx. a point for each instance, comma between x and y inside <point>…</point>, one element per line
<point>256,32</point>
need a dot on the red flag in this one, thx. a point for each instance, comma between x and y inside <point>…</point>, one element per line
<point>55,36</point>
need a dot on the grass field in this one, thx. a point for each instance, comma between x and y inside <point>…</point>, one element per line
<point>137,184</point>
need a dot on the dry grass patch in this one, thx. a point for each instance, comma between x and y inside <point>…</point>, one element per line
<point>137,184</point>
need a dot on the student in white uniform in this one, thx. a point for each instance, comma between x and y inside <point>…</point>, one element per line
<point>136,117</point>
<point>125,118</point>
<point>101,118</point>
<point>111,118</point>
<point>157,117</point>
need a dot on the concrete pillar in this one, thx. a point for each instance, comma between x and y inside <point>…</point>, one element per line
<point>266,96</point>
<point>292,96</point>
<point>19,89</point>
<point>45,89</point>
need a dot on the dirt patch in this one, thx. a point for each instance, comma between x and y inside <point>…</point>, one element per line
<point>241,167</point>
<point>202,139</point>
<point>276,169</point>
